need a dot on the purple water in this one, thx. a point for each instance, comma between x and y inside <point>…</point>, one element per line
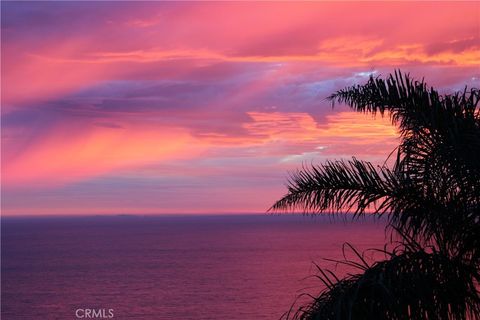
<point>187,267</point>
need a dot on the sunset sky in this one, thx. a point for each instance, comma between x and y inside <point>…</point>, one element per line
<point>181,107</point>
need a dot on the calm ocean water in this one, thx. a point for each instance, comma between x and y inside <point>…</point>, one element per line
<point>184,267</point>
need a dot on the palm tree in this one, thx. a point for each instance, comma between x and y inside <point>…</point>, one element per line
<point>430,198</point>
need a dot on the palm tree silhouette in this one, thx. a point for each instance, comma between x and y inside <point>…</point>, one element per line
<point>430,198</point>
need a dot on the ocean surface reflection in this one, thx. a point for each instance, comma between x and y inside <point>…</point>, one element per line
<point>169,267</point>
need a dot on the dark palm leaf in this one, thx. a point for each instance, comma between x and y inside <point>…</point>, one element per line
<point>343,186</point>
<point>410,285</point>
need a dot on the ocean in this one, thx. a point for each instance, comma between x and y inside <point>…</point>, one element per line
<point>169,267</point>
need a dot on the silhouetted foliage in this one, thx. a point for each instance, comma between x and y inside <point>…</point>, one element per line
<point>430,196</point>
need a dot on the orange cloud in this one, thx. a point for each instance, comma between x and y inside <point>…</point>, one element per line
<point>65,156</point>
<point>302,127</point>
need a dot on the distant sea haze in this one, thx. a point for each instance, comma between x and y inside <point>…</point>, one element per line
<point>169,267</point>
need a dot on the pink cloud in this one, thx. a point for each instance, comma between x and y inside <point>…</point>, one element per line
<point>330,33</point>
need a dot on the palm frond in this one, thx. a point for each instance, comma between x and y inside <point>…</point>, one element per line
<point>341,186</point>
<point>410,103</point>
<point>411,284</point>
